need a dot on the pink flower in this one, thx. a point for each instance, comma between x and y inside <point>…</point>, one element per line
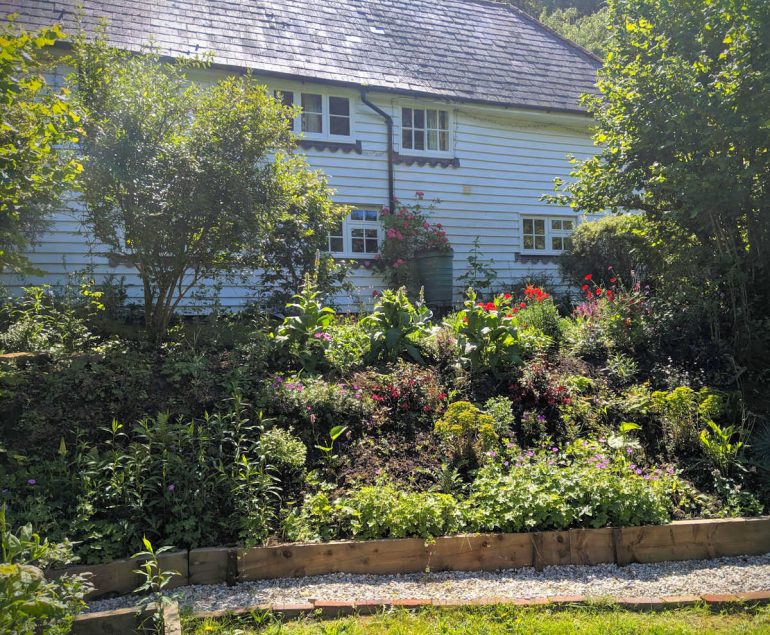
<point>426,225</point>
<point>375,293</point>
<point>391,233</point>
<point>419,194</point>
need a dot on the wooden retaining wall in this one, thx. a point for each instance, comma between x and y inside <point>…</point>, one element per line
<point>682,540</point>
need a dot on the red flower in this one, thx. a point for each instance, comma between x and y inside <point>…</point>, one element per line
<point>507,296</point>
<point>588,276</point>
<point>378,398</point>
<point>490,306</point>
<point>613,280</point>
<point>598,292</point>
<point>584,287</point>
<point>522,304</point>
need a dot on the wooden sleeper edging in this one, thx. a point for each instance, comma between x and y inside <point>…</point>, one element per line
<point>681,540</point>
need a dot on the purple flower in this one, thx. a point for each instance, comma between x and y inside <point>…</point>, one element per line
<point>530,453</point>
<point>510,445</point>
<point>602,440</point>
<point>171,487</point>
<point>32,481</point>
<point>670,470</point>
<point>323,336</point>
<point>541,418</point>
<point>638,472</point>
<point>629,450</point>
<point>506,464</point>
<point>492,453</point>
<point>554,449</point>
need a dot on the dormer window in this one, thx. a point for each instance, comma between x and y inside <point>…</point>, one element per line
<point>322,116</point>
<point>424,129</point>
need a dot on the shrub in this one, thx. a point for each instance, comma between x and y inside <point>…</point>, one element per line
<point>407,398</point>
<point>501,410</point>
<point>394,325</point>
<point>553,490</point>
<point>30,603</point>
<point>466,430</point>
<point>372,512</point>
<point>282,449</point>
<point>625,242</point>
<point>348,346</point>
<point>683,412</point>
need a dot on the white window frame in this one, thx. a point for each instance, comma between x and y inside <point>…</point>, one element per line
<point>348,225</point>
<point>550,233</point>
<point>326,134</point>
<point>399,132</point>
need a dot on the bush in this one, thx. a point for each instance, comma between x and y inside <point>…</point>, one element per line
<point>394,326</point>
<point>30,603</point>
<point>623,242</point>
<point>548,489</point>
<point>467,431</point>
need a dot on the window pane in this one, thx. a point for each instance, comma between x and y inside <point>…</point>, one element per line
<point>312,103</point>
<point>372,245</point>
<point>567,243</point>
<point>357,214</point>
<point>370,215</point>
<point>432,119</point>
<point>432,140</point>
<point>406,117</point>
<point>540,227</point>
<point>567,224</point>
<point>339,126</point>
<point>443,119</point>
<point>357,233</point>
<point>312,123</point>
<point>528,242</point>
<point>371,233</point>
<point>335,244</point>
<point>443,139</point>
<point>357,246</point>
<point>556,243</point>
<point>286,97</point>
<point>528,226</point>
<point>555,224</point>
<point>419,140</point>
<point>419,118</point>
<point>339,106</point>
<point>539,242</point>
<point>406,138</point>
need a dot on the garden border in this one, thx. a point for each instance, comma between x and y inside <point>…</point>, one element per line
<point>680,540</point>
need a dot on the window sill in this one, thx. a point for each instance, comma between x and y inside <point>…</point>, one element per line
<point>334,146</point>
<point>421,160</point>
<point>529,256</point>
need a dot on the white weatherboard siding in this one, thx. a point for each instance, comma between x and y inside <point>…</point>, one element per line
<point>508,160</point>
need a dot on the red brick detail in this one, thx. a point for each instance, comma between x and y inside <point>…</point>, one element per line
<point>759,597</point>
<point>719,598</point>
<point>410,604</point>
<point>681,600</point>
<point>333,609</point>
<point>642,603</point>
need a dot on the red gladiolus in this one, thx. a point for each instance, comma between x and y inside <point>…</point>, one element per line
<point>584,287</point>
<point>588,276</point>
<point>598,292</point>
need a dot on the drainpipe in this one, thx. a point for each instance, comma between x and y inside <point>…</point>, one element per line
<point>391,154</point>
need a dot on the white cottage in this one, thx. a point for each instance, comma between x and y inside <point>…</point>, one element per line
<point>470,101</point>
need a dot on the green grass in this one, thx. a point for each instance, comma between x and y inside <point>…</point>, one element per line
<point>590,620</point>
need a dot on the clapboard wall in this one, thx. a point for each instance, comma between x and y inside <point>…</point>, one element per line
<point>507,160</point>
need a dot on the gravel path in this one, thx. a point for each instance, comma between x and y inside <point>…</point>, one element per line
<point>722,575</point>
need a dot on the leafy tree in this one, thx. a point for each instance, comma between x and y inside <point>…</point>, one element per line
<point>190,183</point>
<point>684,131</point>
<point>590,30</point>
<point>36,119</point>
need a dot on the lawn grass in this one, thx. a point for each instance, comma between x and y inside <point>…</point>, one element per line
<point>590,620</point>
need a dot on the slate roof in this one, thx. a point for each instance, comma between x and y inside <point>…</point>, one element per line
<point>468,50</point>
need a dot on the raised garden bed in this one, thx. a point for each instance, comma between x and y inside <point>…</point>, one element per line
<point>681,540</point>
<point>124,621</point>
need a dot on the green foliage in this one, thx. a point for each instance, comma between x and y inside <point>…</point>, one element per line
<point>29,602</point>
<point>305,334</point>
<point>466,430</point>
<point>721,446</point>
<point>487,335</point>
<point>557,491</point>
<point>394,325</point>
<point>683,411</point>
<point>348,346</point>
<point>191,183</point>
<point>590,31</point>
<point>694,75</point>
<point>480,274</point>
<point>282,449</point>
<point>500,409</point>
<point>37,124</point>
<point>154,580</point>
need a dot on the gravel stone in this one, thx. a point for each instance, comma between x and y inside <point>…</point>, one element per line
<point>694,577</point>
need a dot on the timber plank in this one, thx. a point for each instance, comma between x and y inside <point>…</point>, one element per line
<point>480,552</point>
<point>208,565</point>
<point>591,546</point>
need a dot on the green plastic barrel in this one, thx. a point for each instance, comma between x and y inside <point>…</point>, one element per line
<point>435,272</point>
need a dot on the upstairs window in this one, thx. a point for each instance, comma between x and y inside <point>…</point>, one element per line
<point>425,129</point>
<point>322,115</point>
<point>358,236</point>
<point>546,235</point>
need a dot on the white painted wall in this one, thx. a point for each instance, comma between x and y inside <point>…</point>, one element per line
<point>508,160</point>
